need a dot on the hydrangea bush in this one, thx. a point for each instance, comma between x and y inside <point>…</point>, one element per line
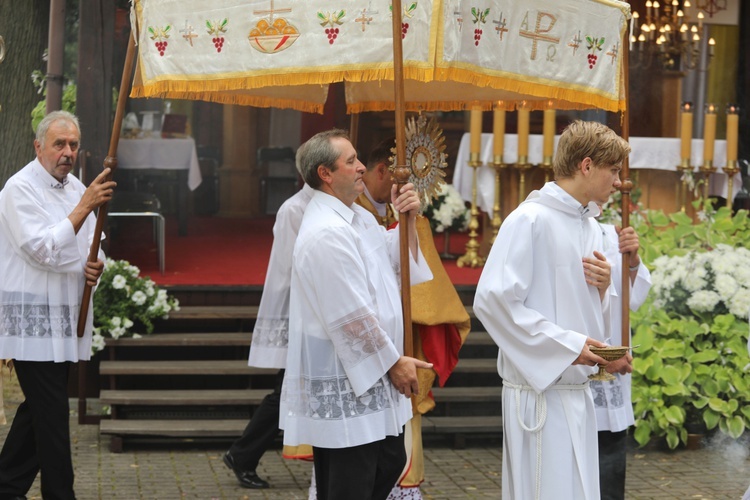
<point>690,373</point>
<point>448,211</point>
<point>124,301</point>
<point>704,283</point>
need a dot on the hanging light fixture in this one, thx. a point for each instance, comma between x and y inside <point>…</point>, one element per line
<point>668,37</point>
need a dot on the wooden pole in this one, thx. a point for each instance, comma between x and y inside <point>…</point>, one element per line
<point>402,173</point>
<point>109,162</point>
<point>625,189</point>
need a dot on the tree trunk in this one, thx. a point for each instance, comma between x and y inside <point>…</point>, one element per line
<point>94,103</point>
<point>23,26</point>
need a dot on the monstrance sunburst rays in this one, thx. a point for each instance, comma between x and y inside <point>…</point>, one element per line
<point>425,156</point>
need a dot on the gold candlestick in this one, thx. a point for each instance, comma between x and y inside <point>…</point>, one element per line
<point>707,169</point>
<point>498,166</point>
<point>731,170</point>
<point>522,166</point>
<point>546,166</point>
<point>684,168</point>
<point>472,258</point>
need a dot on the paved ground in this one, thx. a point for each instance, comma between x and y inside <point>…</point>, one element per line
<point>185,470</point>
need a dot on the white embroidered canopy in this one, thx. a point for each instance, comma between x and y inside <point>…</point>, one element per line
<point>284,53</point>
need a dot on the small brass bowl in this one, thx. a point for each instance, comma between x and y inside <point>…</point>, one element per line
<point>610,353</point>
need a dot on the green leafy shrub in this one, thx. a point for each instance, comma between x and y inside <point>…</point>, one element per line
<point>692,364</point>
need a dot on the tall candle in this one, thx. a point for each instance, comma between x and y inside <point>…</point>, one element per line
<point>475,130</point>
<point>523,132</point>
<point>686,130</point>
<point>549,132</point>
<point>733,120</point>
<point>498,130</point>
<point>709,133</point>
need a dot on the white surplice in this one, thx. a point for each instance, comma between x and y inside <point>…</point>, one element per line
<point>534,301</point>
<point>41,268</point>
<point>345,304</point>
<point>612,399</point>
<point>271,331</point>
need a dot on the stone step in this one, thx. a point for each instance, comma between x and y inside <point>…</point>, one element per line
<point>476,365</point>
<point>467,394</point>
<point>189,367</point>
<point>233,428</point>
<point>233,312</point>
<point>479,338</point>
<point>462,425</point>
<point>215,312</point>
<point>184,340</point>
<point>183,397</point>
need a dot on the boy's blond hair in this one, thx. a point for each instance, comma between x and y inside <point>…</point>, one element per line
<point>583,139</point>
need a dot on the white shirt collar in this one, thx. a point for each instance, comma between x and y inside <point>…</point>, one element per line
<point>46,178</point>
<point>335,204</point>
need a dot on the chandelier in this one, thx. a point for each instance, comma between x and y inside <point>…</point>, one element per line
<point>667,37</point>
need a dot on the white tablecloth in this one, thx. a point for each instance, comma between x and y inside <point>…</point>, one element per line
<point>661,153</point>
<point>161,154</point>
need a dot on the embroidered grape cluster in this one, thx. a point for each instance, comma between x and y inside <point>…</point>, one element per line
<point>332,33</point>
<point>477,36</point>
<point>161,47</point>
<point>218,42</point>
<point>404,30</point>
<point>592,60</point>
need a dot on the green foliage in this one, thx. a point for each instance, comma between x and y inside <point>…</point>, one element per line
<point>691,368</point>
<point>68,104</point>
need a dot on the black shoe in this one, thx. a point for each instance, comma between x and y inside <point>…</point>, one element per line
<point>247,478</point>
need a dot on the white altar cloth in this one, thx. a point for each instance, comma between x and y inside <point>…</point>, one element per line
<point>661,153</point>
<point>161,154</point>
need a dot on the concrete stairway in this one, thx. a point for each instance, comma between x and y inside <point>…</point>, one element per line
<point>195,383</point>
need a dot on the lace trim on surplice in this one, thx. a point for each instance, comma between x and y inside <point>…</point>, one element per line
<point>356,337</point>
<point>36,320</point>
<point>332,398</point>
<point>271,332</point>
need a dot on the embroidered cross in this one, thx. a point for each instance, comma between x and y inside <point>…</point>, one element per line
<point>270,12</point>
<point>187,33</point>
<point>539,33</point>
<point>576,42</point>
<point>614,51</point>
<point>363,19</point>
<point>500,28</point>
<point>459,17</point>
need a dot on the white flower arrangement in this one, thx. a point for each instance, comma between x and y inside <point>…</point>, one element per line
<point>448,211</point>
<point>123,300</point>
<point>704,282</point>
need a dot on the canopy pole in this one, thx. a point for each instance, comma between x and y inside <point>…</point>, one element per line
<point>625,189</point>
<point>402,173</point>
<point>109,162</point>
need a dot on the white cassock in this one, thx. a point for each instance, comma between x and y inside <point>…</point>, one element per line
<point>271,331</point>
<point>534,301</point>
<point>345,302</point>
<point>42,260</point>
<point>614,410</point>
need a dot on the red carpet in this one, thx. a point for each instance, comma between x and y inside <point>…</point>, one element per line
<point>225,252</point>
